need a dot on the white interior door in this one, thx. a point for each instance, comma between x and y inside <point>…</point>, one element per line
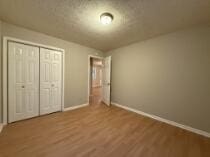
<point>50,81</point>
<point>23,81</point>
<point>106,80</point>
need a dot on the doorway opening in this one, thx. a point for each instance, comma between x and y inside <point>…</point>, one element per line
<point>99,80</point>
<point>95,80</point>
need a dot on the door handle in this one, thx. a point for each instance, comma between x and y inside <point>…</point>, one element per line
<point>23,86</point>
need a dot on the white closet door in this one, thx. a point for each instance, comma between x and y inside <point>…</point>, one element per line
<point>56,80</point>
<point>23,83</point>
<point>32,81</point>
<point>50,81</point>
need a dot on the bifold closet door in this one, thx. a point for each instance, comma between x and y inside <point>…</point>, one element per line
<point>50,81</point>
<point>23,81</point>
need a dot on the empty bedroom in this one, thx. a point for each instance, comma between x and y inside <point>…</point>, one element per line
<point>104,78</point>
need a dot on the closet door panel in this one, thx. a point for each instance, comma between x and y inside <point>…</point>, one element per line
<point>23,82</point>
<point>16,103</point>
<point>45,102</point>
<point>50,81</point>
<point>56,80</point>
<point>45,81</point>
<point>32,81</point>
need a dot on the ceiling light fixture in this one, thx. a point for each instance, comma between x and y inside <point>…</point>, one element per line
<point>106,18</point>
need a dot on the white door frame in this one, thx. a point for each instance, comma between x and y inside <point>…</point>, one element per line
<point>89,57</point>
<point>5,70</point>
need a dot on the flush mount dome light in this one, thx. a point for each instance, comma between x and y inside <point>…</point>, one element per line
<point>106,18</point>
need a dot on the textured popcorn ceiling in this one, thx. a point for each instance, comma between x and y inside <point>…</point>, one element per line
<point>78,20</point>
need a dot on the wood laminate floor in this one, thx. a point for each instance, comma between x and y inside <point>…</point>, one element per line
<point>99,131</point>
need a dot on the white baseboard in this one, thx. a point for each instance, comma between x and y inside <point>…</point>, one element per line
<point>1,127</point>
<point>188,128</point>
<point>75,107</point>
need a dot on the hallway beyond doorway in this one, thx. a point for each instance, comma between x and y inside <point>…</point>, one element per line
<point>96,95</point>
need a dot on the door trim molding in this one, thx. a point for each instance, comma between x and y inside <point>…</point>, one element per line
<point>90,56</point>
<point>182,126</point>
<point>6,39</point>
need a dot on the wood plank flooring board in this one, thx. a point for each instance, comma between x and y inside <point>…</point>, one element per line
<point>99,131</point>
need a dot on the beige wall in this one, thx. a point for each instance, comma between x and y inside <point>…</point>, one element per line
<point>168,76</point>
<point>76,61</point>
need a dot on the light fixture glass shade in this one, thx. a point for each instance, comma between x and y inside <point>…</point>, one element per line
<point>106,18</point>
